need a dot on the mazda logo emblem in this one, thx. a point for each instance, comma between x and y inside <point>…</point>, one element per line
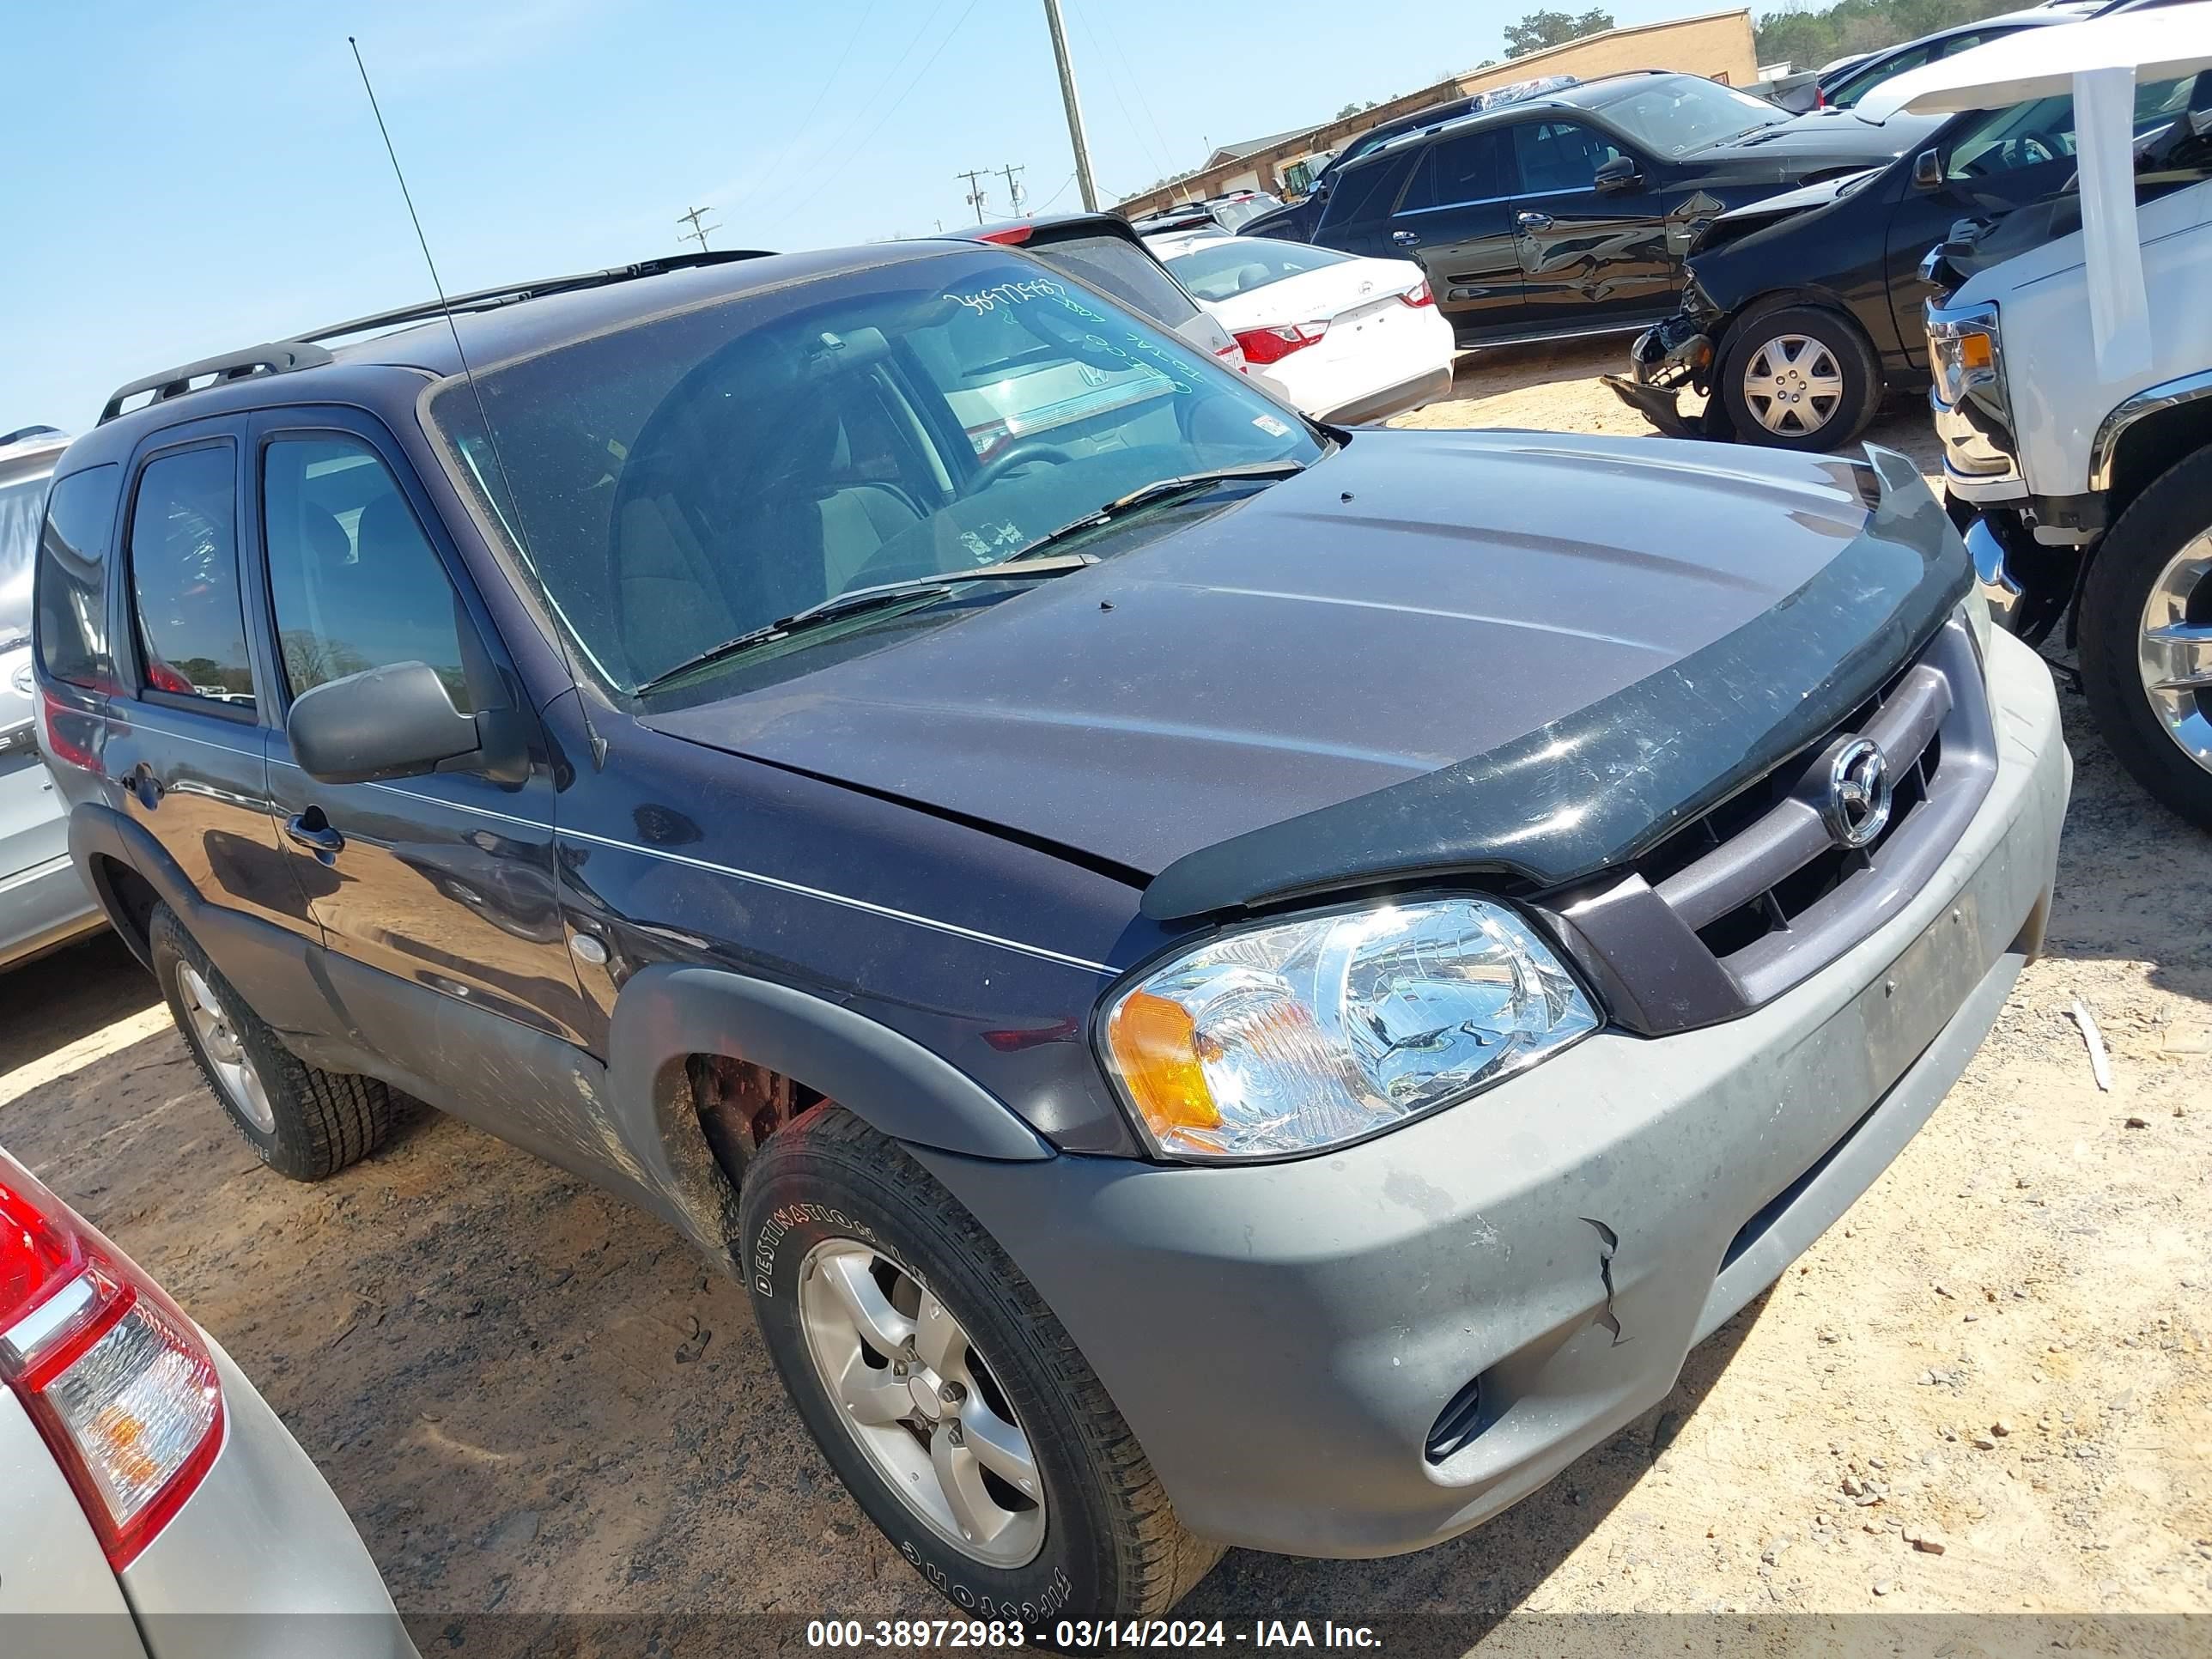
<point>1858,803</point>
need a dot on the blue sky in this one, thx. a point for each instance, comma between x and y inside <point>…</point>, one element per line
<point>184,179</point>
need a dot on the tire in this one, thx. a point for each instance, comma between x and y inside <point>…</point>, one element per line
<point>828,1200</point>
<point>300,1122</point>
<point>2161,543</point>
<point>1825,345</point>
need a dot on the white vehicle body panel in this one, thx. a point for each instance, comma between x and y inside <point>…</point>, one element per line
<point>57,1596</point>
<point>2057,394</point>
<point>1374,340</point>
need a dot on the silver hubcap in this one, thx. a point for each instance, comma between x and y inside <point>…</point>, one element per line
<point>2174,655</point>
<point>1792,384</point>
<point>226,1055</point>
<point>921,1402</point>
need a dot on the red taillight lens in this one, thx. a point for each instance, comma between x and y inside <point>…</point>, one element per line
<point>1263,346</point>
<point>1418,294</point>
<point>1233,355</point>
<point>1008,236</point>
<point>120,1385</point>
<point>52,710</point>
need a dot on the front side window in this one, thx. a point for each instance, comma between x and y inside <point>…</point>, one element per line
<point>72,586</point>
<point>353,581</point>
<point>2040,132</point>
<point>704,476</point>
<point>1847,95</point>
<point>184,577</point>
<point>1222,270</point>
<point>1559,156</point>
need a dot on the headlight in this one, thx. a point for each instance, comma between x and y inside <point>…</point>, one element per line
<point>1964,353</point>
<point>1284,1039</point>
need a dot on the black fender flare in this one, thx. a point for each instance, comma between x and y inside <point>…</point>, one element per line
<point>670,1010</point>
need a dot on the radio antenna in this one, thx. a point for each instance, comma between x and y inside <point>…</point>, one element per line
<point>598,743</point>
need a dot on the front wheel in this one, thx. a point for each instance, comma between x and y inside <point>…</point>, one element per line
<point>1800,378</point>
<point>956,1411</point>
<point>2147,638</point>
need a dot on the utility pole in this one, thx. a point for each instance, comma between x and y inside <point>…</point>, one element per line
<point>1083,181</point>
<point>1015,193</point>
<point>975,191</point>
<point>698,229</point>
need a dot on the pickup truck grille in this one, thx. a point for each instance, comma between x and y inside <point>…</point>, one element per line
<point>1758,894</point>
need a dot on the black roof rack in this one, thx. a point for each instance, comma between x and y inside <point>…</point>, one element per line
<point>304,351</point>
<point>276,358</point>
<point>508,294</point>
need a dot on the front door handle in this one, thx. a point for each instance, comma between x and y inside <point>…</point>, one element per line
<point>1532,221</point>
<point>1406,238</point>
<point>316,835</point>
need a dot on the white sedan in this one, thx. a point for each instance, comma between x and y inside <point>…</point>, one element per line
<point>1349,339</point>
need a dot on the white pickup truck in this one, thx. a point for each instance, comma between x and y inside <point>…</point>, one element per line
<point>2071,347</point>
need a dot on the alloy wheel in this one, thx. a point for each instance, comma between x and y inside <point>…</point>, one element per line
<point>226,1054</point>
<point>1792,384</point>
<point>920,1399</point>
<point>2174,653</point>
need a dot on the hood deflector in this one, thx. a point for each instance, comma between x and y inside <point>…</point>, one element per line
<point>1598,786</point>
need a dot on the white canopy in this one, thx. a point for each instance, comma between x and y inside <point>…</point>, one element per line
<point>2160,44</point>
<point>2098,61</point>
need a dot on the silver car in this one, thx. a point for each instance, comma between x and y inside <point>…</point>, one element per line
<point>151,1505</point>
<point>44,902</point>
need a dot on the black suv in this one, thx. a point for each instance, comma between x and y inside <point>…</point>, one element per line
<point>1220,980</point>
<point>1569,212</point>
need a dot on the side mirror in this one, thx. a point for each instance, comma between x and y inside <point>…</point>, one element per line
<point>396,721</point>
<point>1618,175</point>
<point>1927,170</point>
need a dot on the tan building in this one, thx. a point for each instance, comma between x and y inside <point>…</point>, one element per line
<point>1717,44</point>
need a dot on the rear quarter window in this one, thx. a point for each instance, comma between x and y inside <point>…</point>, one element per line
<point>1368,192</point>
<point>1126,273</point>
<point>71,590</point>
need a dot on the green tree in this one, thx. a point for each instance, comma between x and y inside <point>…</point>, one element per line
<point>1806,36</point>
<point>1540,29</point>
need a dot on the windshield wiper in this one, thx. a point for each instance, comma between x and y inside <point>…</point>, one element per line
<point>1020,568</point>
<point>1162,490</point>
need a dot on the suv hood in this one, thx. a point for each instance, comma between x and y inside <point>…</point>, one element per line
<point>1413,599</point>
<point>1811,145</point>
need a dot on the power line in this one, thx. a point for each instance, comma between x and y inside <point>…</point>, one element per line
<point>747,190</point>
<point>919,75</point>
<point>697,231</point>
<point>1114,82</point>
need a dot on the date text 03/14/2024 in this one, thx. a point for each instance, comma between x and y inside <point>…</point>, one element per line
<point>1070,1635</point>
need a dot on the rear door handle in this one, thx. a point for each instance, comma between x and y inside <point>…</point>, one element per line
<point>1405,238</point>
<point>318,838</point>
<point>1532,221</point>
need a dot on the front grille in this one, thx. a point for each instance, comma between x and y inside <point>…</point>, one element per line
<point>1758,894</point>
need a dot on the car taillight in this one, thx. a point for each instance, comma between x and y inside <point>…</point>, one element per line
<point>120,1385</point>
<point>1263,346</point>
<point>1008,236</point>
<point>1418,294</point>
<point>50,709</point>
<point>1233,355</point>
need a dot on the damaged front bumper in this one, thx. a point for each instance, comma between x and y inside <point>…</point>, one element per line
<point>1373,1349</point>
<point>1667,359</point>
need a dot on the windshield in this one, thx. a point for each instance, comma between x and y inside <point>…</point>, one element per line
<point>2173,150</point>
<point>1671,115</point>
<point>1222,270</point>
<point>695,477</point>
<point>22,503</point>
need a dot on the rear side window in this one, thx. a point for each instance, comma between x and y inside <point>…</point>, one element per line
<point>1470,167</point>
<point>1128,274</point>
<point>355,583</point>
<point>72,593</point>
<point>1367,192</point>
<point>184,577</point>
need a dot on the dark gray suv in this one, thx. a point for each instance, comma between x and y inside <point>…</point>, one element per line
<point>1220,980</point>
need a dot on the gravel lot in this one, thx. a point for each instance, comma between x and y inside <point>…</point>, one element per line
<point>532,1399</point>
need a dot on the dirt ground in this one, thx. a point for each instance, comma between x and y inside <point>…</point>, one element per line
<point>533,1400</point>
